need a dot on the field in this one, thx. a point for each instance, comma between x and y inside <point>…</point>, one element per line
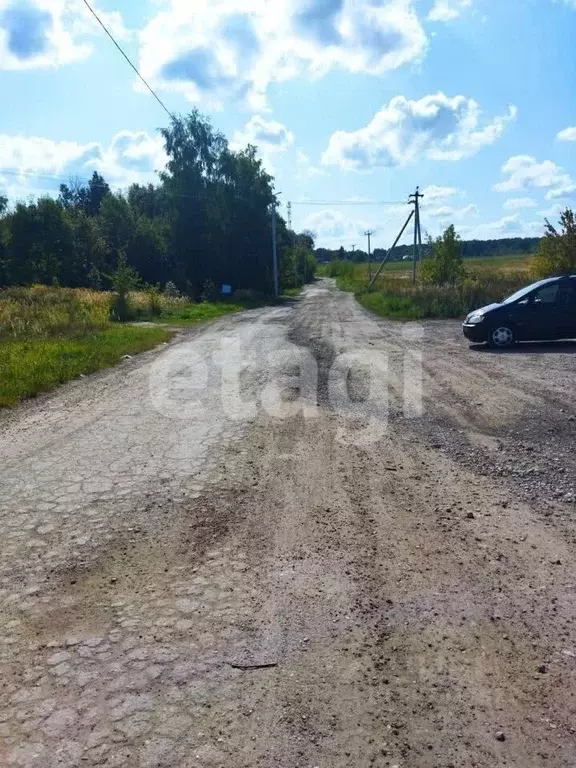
<point>394,295</point>
<point>52,335</point>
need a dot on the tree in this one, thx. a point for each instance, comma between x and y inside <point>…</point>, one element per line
<point>219,203</point>
<point>124,279</point>
<point>39,243</point>
<point>149,201</point>
<point>89,248</point>
<point>557,252</point>
<point>146,251</point>
<point>118,226</point>
<point>97,190</point>
<point>205,223</point>
<point>77,197</point>
<point>444,267</point>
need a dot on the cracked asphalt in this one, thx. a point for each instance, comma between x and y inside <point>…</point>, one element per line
<point>299,536</point>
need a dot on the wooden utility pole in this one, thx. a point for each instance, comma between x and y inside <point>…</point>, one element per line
<point>274,250</point>
<point>415,200</point>
<point>369,234</point>
<point>389,252</point>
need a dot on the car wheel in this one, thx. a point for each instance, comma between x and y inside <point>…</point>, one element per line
<point>501,337</point>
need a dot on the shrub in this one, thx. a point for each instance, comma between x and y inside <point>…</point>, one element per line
<point>444,266</point>
<point>155,305</point>
<point>557,253</point>
<point>124,280</point>
<point>209,291</point>
<point>171,291</point>
<point>400,298</point>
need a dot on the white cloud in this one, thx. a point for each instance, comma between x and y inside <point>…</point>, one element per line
<point>268,135</point>
<point>552,213</point>
<point>335,227</point>
<point>524,172</point>
<point>434,193</point>
<point>445,213</point>
<point>447,10</point>
<point>568,134</point>
<point>49,33</point>
<point>436,127</point>
<point>212,51</point>
<point>305,168</point>
<point>507,226</point>
<point>518,203</point>
<point>34,164</point>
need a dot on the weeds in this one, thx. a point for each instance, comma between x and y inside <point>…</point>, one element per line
<point>394,295</point>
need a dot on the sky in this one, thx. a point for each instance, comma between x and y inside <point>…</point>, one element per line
<point>351,103</point>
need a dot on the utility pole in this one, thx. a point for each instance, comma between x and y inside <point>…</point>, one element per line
<point>369,234</point>
<point>389,252</point>
<point>415,200</point>
<point>353,250</point>
<point>274,249</point>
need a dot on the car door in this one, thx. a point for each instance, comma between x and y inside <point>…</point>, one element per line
<point>567,308</point>
<point>537,316</point>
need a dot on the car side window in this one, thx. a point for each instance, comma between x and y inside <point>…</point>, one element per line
<point>547,295</point>
<point>567,293</point>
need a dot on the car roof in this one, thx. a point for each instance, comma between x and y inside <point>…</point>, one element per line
<point>555,279</point>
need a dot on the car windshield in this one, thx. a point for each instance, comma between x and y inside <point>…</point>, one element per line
<point>524,292</point>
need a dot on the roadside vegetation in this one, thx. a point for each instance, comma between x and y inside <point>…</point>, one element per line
<point>80,270</point>
<point>204,224</point>
<point>450,286</point>
<point>49,335</point>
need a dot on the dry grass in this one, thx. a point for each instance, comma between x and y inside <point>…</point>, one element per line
<point>41,311</point>
<point>50,335</point>
<point>487,280</point>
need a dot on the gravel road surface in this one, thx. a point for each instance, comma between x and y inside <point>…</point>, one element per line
<point>296,537</point>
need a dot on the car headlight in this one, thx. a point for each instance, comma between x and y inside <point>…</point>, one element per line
<point>475,318</point>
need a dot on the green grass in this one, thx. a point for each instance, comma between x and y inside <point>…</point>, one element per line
<point>354,277</point>
<point>290,293</point>
<point>189,314</point>
<point>50,335</point>
<point>33,365</point>
<point>394,307</point>
<point>395,296</point>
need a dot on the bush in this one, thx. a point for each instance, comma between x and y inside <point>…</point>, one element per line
<point>444,266</point>
<point>124,280</point>
<point>155,305</point>
<point>401,299</point>
<point>209,291</point>
<point>557,253</point>
<point>171,291</point>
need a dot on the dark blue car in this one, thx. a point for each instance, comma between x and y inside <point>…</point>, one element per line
<point>542,311</point>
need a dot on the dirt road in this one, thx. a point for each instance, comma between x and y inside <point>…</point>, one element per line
<point>297,537</point>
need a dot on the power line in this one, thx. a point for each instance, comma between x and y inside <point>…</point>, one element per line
<point>75,178</point>
<point>349,202</point>
<point>158,99</point>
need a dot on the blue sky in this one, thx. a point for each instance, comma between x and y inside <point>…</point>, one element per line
<point>347,100</point>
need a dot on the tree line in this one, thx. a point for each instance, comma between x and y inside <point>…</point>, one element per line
<point>206,222</point>
<point>471,249</point>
